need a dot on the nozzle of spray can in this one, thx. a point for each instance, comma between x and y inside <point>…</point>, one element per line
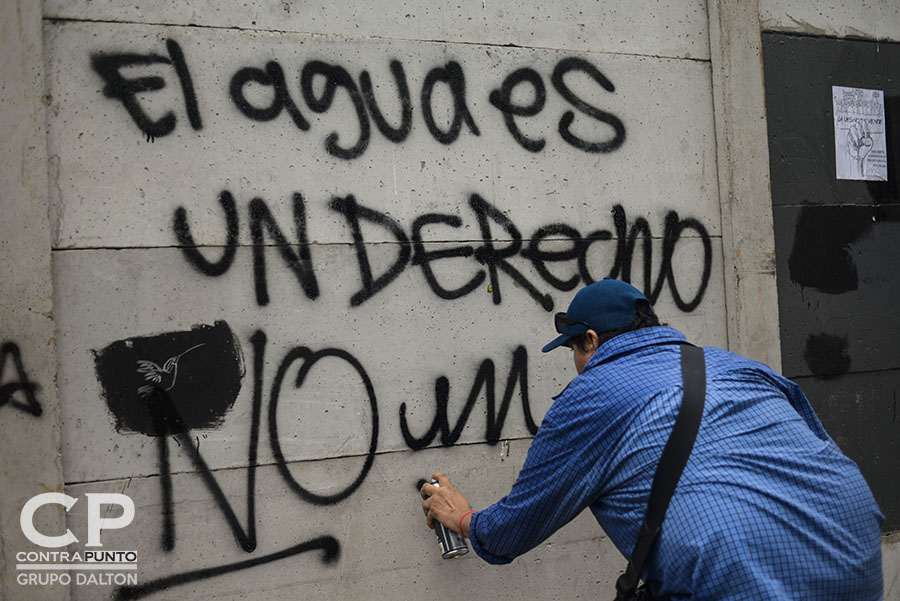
<point>452,543</point>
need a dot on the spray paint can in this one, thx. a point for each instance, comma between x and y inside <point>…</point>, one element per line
<point>452,543</point>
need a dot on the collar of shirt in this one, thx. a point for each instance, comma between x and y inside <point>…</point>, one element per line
<point>630,342</point>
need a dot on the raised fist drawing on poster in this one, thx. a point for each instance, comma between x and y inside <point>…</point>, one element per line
<point>860,142</point>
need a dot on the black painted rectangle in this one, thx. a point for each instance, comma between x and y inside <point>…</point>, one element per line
<point>172,382</point>
<point>799,74</point>
<point>861,412</point>
<point>838,270</point>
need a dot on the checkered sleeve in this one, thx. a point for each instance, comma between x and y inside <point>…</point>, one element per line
<point>562,475</point>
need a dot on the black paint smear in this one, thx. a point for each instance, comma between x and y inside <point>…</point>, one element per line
<point>820,256</point>
<point>827,355</point>
<point>198,372</point>
<point>329,545</point>
<point>484,379</point>
<point>23,385</point>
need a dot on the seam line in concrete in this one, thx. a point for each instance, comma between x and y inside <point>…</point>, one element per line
<point>269,245</point>
<point>288,463</point>
<point>849,373</point>
<point>52,19</point>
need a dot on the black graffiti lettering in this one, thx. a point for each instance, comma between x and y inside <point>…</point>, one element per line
<point>171,422</point>
<point>558,78</point>
<point>165,484</point>
<point>166,412</point>
<point>170,419</point>
<point>272,76</point>
<point>424,258</point>
<point>126,90</point>
<point>335,76</point>
<point>300,262</point>
<point>20,384</point>
<point>187,84</point>
<point>452,75</point>
<point>590,239</point>
<point>495,258</point>
<point>491,257</point>
<point>108,66</point>
<point>320,98</point>
<point>625,243</point>
<point>539,257</point>
<point>502,99</point>
<point>484,380</point>
<point>674,228</point>
<point>188,245</point>
<point>329,546</point>
<point>309,359</point>
<point>394,134</point>
<point>353,212</point>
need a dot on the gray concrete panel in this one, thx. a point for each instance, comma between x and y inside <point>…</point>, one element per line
<point>875,19</point>
<point>114,184</point>
<point>743,177</point>
<point>404,338</point>
<point>384,548</point>
<point>29,413</point>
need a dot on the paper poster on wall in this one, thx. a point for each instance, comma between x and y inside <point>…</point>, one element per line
<point>859,134</point>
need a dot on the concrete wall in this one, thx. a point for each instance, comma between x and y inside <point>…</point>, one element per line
<point>29,412</point>
<point>420,294</point>
<point>869,19</point>
<point>353,282</point>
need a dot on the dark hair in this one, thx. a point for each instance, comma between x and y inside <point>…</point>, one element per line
<point>646,318</point>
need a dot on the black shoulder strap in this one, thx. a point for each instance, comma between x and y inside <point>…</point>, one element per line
<point>674,457</point>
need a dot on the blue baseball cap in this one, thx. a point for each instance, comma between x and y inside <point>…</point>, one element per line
<point>602,306</point>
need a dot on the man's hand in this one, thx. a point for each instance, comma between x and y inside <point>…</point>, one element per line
<point>445,504</point>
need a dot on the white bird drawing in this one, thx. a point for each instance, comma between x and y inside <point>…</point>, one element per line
<point>160,377</point>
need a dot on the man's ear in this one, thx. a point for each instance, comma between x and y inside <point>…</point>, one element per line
<point>592,340</point>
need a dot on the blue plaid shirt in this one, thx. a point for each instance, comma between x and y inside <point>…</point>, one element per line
<point>767,507</point>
